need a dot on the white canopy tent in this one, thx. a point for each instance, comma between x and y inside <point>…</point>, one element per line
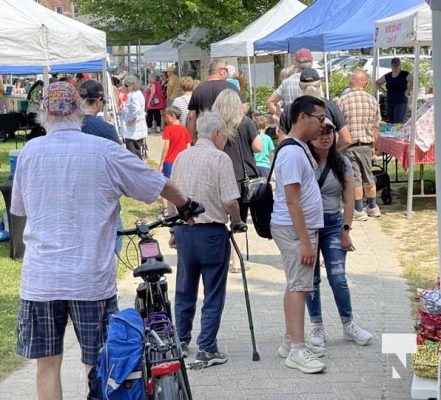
<point>33,35</point>
<point>242,44</point>
<point>412,27</point>
<point>183,48</point>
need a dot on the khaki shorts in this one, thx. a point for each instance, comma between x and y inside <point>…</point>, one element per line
<point>299,278</point>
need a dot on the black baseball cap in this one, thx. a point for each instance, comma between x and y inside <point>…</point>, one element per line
<point>309,75</point>
<point>395,61</point>
<point>91,89</point>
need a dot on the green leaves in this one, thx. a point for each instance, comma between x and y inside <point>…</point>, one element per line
<point>152,21</point>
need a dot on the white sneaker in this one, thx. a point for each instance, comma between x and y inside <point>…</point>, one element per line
<point>360,215</point>
<point>351,331</point>
<point>317,336</point>
<point>304,360</point>
<point>285,348</point>
<point>373,212</point>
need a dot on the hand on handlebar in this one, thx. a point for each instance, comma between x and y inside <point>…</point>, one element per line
<point>190,210</point>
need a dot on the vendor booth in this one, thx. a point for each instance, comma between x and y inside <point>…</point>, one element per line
<point>182,49</point>
<point>412,27</point>
<point>242,44</point>
<point>37,38</point>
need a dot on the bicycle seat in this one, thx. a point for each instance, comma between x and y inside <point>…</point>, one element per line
<point>151,268</point>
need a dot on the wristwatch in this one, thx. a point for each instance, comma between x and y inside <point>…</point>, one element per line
<point>346,227</point>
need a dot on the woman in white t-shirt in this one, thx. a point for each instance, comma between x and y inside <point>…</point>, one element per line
<point>134,127</point>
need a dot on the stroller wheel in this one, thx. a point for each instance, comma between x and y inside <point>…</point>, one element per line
<point>386,196</point>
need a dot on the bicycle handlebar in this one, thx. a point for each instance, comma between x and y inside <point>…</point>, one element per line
<point>143,228</point>
<point>169,221</point>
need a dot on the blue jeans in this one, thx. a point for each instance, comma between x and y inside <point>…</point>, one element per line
<point>335,260</point>
<point>203,250</point>
<point>396,113</point>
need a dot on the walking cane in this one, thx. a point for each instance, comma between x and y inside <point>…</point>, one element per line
<point>237,229</point>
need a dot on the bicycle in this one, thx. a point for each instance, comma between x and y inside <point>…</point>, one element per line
<point>164,369</point>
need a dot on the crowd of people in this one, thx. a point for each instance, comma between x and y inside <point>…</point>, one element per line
<point>211,146</point>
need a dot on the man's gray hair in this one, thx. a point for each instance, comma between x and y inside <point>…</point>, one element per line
<point>214,65</point>
<point>207,123</point>
<point>50,122</point>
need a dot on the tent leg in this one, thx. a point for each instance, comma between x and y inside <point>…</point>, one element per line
<point>250,83</point>
<point>413,131</point>
<point>326,75</point>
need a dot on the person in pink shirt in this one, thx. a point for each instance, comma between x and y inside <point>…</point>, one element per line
<point>154,102</point>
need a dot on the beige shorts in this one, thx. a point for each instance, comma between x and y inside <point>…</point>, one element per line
<point>299,278</point>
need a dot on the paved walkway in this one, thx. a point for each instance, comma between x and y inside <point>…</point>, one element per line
<point>380,302</point>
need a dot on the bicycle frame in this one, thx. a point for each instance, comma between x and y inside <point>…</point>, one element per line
<point>164,368</point>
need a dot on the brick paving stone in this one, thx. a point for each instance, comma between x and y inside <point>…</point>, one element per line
<point>380,303</point>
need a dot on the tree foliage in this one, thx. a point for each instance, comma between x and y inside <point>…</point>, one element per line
<point>153,21</point>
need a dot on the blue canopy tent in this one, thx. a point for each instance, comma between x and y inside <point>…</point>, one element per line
<point>333,25</point>
<point>309,19</point>
<point>86,66</point>
<point>350,28</point>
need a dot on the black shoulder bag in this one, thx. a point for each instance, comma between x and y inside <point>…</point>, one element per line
<point>262,201</point>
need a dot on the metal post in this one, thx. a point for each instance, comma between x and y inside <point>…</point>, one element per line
<point>435,5</point>
<point>413,131</point>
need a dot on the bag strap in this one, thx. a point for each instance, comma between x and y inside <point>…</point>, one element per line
<point>246,177</point>
<point>323,175</point>
<point>286,142</point>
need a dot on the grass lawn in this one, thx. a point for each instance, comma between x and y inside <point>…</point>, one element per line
<point>10,270</point>
<point>415,239</point>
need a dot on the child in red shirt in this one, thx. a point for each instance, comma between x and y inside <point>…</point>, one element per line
<point>176,139</point>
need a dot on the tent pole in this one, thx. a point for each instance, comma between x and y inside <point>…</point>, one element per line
<point>435,5</point>
<point>254,82</point>
<point>326,75</point>
<point>413,130</point>
<point>45,78</point>
<point>105,83</point>
<point>375,71</point>
<point>250,83</point>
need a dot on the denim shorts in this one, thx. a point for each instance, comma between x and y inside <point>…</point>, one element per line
<point>41,326</point>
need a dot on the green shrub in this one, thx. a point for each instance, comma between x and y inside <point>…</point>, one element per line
<point>425,73</point>
<point>262,95</point>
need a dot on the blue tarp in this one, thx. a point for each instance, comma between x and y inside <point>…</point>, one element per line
<point>87,66</point>
<point>348,25</point>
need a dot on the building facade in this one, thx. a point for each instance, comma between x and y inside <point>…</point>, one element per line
<point>65,7</point>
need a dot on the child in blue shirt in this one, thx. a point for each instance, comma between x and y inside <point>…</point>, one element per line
<point>263,158</point>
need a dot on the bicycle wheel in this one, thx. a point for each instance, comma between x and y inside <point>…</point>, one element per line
<point>166,388</point>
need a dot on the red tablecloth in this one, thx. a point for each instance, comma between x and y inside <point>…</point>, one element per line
<point>400,150</point>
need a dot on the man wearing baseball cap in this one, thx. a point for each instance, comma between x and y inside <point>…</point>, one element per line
<point>68,185</point>
<point>93,101</point>
<point>289,89</point>
<point>310,84</point>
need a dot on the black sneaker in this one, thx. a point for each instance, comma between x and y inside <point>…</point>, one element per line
<point>211,358</point>
<point>184,349</point>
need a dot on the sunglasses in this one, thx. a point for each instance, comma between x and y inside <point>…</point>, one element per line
<point>320,118</point>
